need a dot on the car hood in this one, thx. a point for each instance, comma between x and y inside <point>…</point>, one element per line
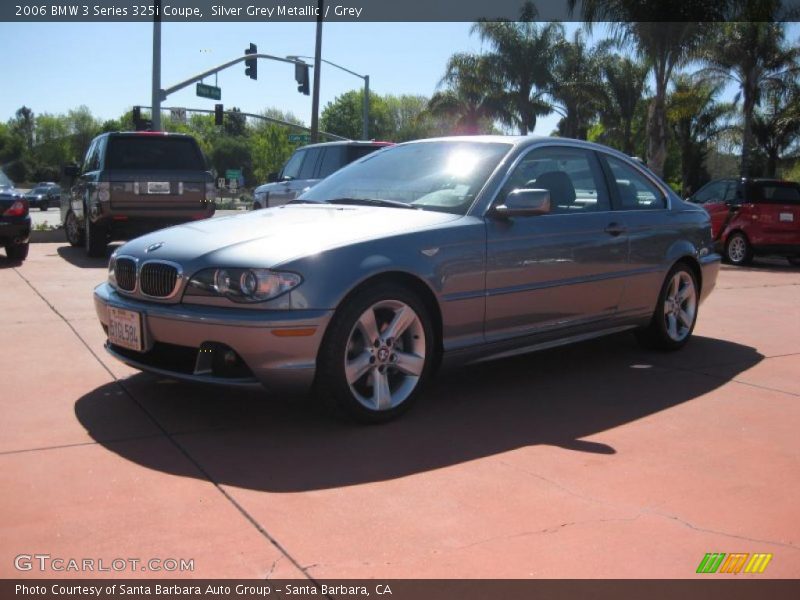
<point>268,237</point>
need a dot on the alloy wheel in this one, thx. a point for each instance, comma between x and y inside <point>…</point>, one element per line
<point>680,306</point>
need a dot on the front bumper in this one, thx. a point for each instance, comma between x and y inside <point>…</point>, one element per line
<point>277,362</point>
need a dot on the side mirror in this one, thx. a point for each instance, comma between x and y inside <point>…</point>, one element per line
<point>71,170</point>
<point>689,199</point>
<point>524,203</point>
<point>272,177</point>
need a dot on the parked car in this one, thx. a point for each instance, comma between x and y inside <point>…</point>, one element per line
<point>133,183</point>
<point>307,167</point>
<point>43,196</point>
<point>750,217</point>
<point>15,222</point>
<point>453,249</point>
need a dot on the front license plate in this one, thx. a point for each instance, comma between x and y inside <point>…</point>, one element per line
<point>125,328</point>
<point>158,187</point>
<point>787,217</point>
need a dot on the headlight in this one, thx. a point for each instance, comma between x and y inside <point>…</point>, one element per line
<point>242,285</point>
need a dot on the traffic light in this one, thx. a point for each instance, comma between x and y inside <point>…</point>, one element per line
<point>251,64</point>
<point>140,124</point>
<point>301,76</point>
<point>219,113</point>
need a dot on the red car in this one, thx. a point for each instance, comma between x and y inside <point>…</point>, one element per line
<point>750,217</point>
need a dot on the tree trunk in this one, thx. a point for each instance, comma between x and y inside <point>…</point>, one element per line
<point>772,163</point>
<point>657,131</point>
<point>748,107</point>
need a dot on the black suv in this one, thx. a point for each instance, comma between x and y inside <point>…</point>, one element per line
<point>133,183</point>
<point>15,222</point>
<point>307,167</point>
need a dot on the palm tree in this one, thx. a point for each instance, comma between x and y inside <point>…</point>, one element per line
<point>645,26</point>
<point>468,98</point>
<point>777,128</point>
<point>522,58</point>
<point>696,118</point>
<point>753,55</point>
<point>622,99</point>
<point>577,87</point>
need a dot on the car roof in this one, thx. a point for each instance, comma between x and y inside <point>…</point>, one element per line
<point>357,143</point>
<point>147,134</point>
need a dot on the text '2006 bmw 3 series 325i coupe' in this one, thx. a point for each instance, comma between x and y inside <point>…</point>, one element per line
<point>444,250</point>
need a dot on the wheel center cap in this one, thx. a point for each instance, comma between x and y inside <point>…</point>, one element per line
<point>383,354</point>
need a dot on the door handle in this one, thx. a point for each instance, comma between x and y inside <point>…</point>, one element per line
<point>615,229</point>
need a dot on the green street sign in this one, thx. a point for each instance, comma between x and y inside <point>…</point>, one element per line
<point>209,91</point>
<point>299,137</point>
<point>233,174</point>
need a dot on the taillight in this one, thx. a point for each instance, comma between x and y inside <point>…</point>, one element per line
<point>18,209</point>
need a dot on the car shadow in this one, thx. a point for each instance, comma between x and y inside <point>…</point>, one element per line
<point>76,256</point>
<point>8,263</point>
<point>279,444</point>
<point>763,264</point>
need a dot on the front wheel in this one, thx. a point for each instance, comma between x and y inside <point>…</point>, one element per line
<point>73,230</point>
<point>738,250</point>
<point>377,354</point>
<point>676,312</point>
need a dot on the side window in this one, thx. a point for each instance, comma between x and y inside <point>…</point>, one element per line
<point>636,191</point>
<point>90,161</point>
<point>332,160</point>
<point>571,175</point>
<point>309,168</point>
<point>292,167</point>
<point>713,192</point>
<point>731,192</point>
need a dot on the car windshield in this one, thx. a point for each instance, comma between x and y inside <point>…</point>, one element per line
<point>39,189</point>
<point>443,176</point>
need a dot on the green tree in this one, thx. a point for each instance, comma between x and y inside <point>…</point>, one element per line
<point>344,116</point>
<point>468,101</point>
<point>664,45</point>
<point>83,128</point>
<point>523,57</point>
<point>24,125</point>
<point>577,86</point>
<point>53,147</point>
<point>232,153</point>
<point>776,128</point>
<point>622,100</point>
<point>696,119</point>
<point>753,55</point>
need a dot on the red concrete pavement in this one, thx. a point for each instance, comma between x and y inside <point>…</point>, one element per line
<point>596,460</point>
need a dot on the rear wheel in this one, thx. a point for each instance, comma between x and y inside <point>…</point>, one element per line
<point>17,251</point>
<point>676,312</point>
<point>738,250</point>
<point>377,354</point>
<point>73,230</point>
<point>95,238</point>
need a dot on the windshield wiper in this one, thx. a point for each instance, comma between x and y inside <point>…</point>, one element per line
<point>371,202</point>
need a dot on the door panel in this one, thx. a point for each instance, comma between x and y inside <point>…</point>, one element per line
<point>558,269</point>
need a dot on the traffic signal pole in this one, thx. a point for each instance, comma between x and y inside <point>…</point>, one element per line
<point>317,74</point>
<point>156,91</point>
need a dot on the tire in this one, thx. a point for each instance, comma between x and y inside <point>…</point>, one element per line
<point>43,206</point>
<point>95,239</point>
<point>794,260</point>
<point>72,228</point>
<point>350,361</point>
<point>738,250</point>
<point>676,311</point>
<point>256,206</point>
<point>17,251</point>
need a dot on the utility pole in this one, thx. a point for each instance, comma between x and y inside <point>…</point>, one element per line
<point>317,69</point>
<point>365,126</point>
<point>156,97</point>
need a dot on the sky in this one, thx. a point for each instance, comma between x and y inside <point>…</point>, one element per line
<point>53,67</point>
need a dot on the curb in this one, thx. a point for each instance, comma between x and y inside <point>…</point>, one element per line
<point>47,237</point>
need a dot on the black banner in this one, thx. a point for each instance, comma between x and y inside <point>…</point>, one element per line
<point>392,10</point>
<point>403,589</point>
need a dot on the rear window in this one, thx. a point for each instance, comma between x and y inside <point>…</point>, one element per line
<point>776,193</point>
<point>154,154</point>
<point>356,152</point>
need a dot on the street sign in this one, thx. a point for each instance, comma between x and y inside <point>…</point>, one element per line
<point>221,183</point>
<point>209,91</point>
<point>234,183</point>
<point>299,137</point>
<point>178,114</point>
<point>233,174</point>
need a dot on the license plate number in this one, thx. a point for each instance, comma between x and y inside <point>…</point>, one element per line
<point>158,187</point>
<point>125,328</point>
<point>787,217</point>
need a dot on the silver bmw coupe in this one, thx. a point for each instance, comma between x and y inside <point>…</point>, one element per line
<point>447,250</point>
